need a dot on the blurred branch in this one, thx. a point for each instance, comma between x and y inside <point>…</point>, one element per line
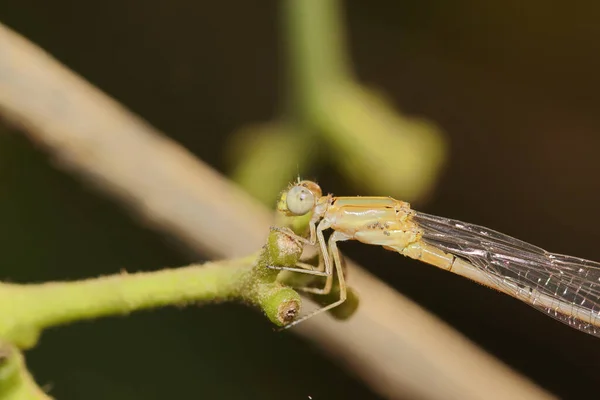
<point>16,382</point>
<point>392,344</point>
<point>328,113</point>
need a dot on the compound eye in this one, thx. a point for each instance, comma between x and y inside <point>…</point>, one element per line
<point>300,200</point>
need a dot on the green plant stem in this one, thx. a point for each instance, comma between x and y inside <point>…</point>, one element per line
<point>55,303</point>
<point>371,143</point>
<point>25,310</point>
<point>16,383</point>
<point>316,53</point>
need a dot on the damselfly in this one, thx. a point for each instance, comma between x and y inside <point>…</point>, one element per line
<point>564,287</point>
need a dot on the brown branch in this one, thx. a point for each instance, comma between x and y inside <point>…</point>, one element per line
<point>391,343</point>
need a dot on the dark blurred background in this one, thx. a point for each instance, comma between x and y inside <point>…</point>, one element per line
<point>514,85</point>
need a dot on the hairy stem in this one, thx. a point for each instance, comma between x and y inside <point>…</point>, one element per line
<point>28,309</point>
<point>16,382</point>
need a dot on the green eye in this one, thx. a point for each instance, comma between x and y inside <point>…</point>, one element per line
<point>300,200</point>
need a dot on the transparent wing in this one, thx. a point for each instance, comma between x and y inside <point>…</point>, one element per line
<point>511,263</point>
